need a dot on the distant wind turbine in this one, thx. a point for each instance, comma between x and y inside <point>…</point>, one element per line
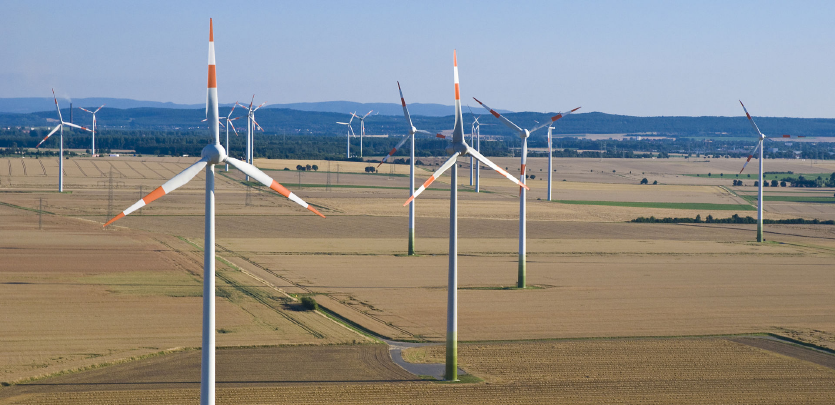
<point>524,134</point>
<point>410,136</point>
<point>362,127</point>
<point>760,146</point>
<point>60,127</point>
<point>93,148</point>
<point>350,132</point>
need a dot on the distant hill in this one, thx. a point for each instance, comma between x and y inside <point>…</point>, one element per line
<point>291,121</point>
<point>29,105</point>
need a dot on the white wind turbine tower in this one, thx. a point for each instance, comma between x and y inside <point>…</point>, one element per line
<point>362,127</point>
<point>60,127</point>
<point>251,125</point>
<point>350,132</point>
<point>410,136</point>
<point>475,131</point>
<point>229,124</point>
<point>212,155</point>
<point>93,148</point>
<point>760,146</point>
<point>458,148</point>
<point>524,134</point>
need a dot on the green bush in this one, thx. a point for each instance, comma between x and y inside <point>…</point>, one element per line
<point>309,303</point>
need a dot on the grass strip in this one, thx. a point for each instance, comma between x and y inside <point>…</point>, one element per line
<point>792,198</point>
<point>27,208</point>
<point>668,205</point>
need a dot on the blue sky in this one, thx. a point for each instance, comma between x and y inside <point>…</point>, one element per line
<point>644,58</point>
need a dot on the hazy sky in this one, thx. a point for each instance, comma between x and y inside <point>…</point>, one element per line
<point>643,58</point>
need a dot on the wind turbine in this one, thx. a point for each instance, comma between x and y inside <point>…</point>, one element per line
<point>524,134</point>
<point>229,124</point>
<point>362,128</point>
<point>411,135</point>
<point>251,125</point>
<point>475,131</point>
<point>93,148</point>
<point>60,127</point>
<point>759,146</point>
<point>457,148</point>
<point>212,155</point>
<point>350,132</point>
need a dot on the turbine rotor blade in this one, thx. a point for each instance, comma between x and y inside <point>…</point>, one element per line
<point>751,120</point>
<point>405,110</point>
<point>97,110</point>
<point>232,110</point>
<point>750,155</point>
<point>553,119</point>
<point>256,124</point>
<point>176,182</point>
<point>84,109</point>
<point>256,108</point>
<point>232,125</point>
<point>69,124</point>
<point>48,135</point>
<point>493,166</point>
<point>435,176</point>
<point>405,138</point>
<point>268,181</point>
<point>501,118</point>
<point>56,106</point>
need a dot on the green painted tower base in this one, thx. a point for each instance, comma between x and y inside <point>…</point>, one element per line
<point>451,373</point>
<point>520,283</point>
<point>411,242</point>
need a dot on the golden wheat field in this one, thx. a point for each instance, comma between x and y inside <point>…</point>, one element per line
<point>84,305</point>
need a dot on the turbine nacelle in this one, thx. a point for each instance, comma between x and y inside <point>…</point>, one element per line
<point>457,148</point>
<point>213,154</point>
<point>525,134</point>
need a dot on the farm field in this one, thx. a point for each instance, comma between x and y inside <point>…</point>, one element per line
<point>77,297</point>
<point>655,371</point>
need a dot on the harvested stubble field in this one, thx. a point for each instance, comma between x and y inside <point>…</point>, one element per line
<point>78,296</point>
<point>653,371</point>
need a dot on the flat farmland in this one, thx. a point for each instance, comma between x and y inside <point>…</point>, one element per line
<point>74,296</point>
<point>652,371</point>
<point>77,297</point>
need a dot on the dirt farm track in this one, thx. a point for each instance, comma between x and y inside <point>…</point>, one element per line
<point>616,312</point>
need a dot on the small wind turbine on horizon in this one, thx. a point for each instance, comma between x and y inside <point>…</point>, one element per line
<point>60,127</point>
<point>410,136</point>
<point>475,132</point>
<point>760,146</point>
<point>251,125</point>
<point>212,155</point>
<point>93,147</point>
<point>350,132</point>
<point>524,134</point>
<point>229,120</point>
<point>457,148</point>
<point>362,128</point>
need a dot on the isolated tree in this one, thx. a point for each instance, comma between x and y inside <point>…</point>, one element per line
<point>655,182</point>
<point>533,177</point>
<point>774,183</point>
<point>756,183</point>
<point>308,167</point>
<point>698,219</point>
<point>299,167</point>
<point>315,168</point>
<point>644,181</point>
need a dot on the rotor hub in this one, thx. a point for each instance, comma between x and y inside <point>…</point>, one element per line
<point>214,154</point>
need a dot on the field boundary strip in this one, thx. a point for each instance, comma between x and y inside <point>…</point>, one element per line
<point>667,205</point>
<point>26,208</point>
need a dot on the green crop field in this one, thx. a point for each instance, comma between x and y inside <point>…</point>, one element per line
<point>680,206</point>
